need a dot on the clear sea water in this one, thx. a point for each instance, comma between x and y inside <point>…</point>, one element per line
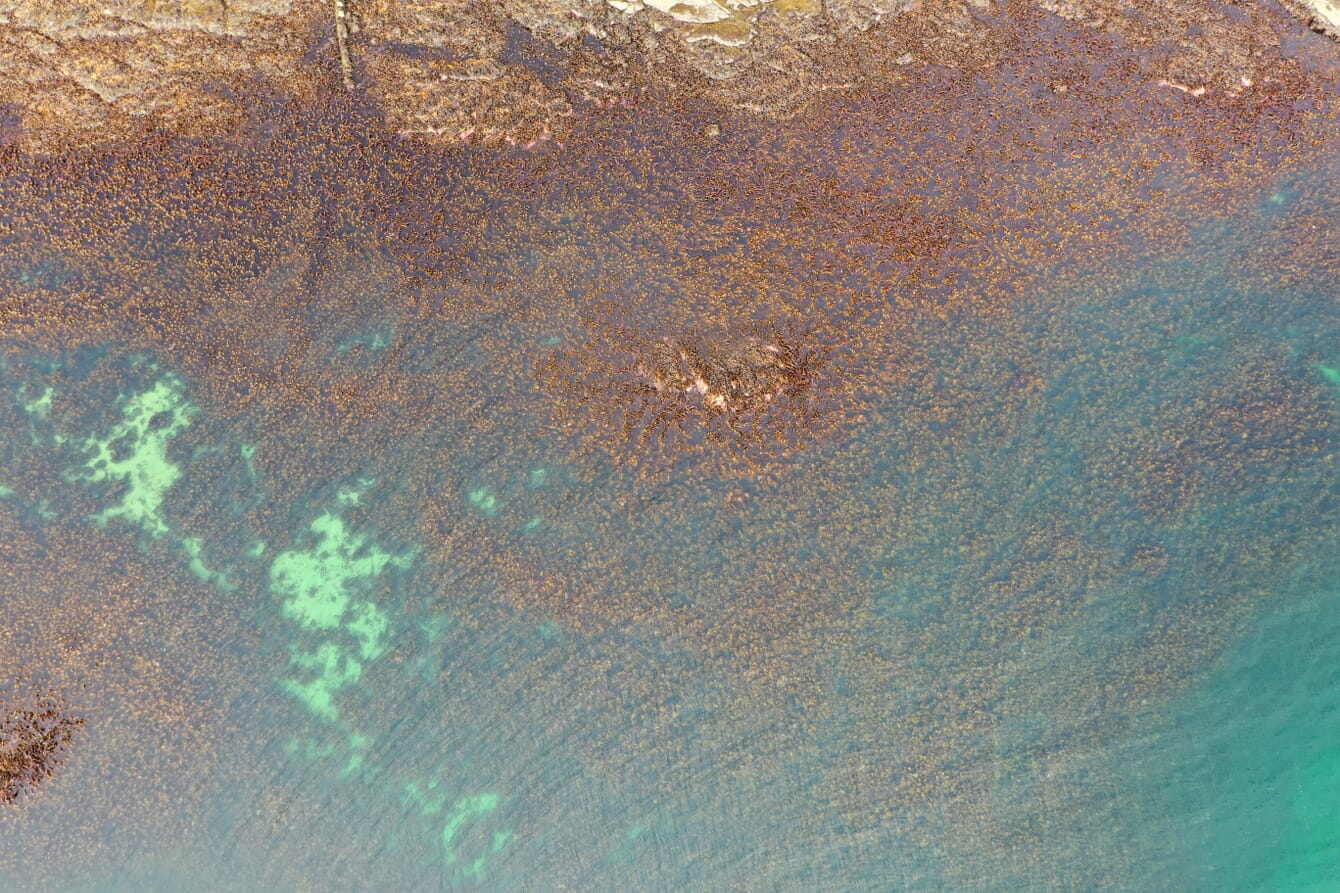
<point>1057,609</point>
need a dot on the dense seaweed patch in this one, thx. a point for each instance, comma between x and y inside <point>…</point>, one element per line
<point>37,730</point>
<point>743,393</point>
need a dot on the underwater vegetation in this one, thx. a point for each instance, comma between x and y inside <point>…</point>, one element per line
<point>120,444</point>
<point>801,505</point>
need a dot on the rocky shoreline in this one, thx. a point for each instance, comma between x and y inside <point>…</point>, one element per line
<point>85,73</point>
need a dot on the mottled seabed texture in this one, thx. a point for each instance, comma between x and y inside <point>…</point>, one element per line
<point>936,491</point>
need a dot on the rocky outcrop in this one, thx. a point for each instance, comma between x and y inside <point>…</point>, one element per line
<point>88,72</point>
<point>1322,15</point>
<point>81,72</point>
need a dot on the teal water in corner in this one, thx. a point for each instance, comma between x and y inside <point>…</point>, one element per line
<point>1234,783</point>
<point>1241,778</point>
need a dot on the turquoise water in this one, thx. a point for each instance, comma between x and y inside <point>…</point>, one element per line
<point>348,608</point>
<point>1238,781</point>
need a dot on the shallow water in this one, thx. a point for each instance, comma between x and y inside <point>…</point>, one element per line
<point>344,504</point>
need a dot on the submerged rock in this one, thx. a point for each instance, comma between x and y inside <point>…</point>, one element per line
<point>748,392</point>
<point>35,734</point>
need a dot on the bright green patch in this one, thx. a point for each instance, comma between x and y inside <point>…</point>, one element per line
<point>532,525</point>
<point>1330,373</point>
<point>368,625</point>
<point>354,495</point>
<point>149,422</point>
<point>464,811</point>
<point>40,407</point>
<point>1280,198</point>
<point>329,668</point>
<point>372,341</point>
<point>434,627</point>
<point>425,797</point>
<point>476,869</point>
<point>316,583</point>
<point>256,551</point>
<point>310,749</point>
<point>324,590</point>
<point>248,452</point>
<point>6,492</point>
<point>357,746</point>
<point>192,546</point>
<point>485,501</point>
